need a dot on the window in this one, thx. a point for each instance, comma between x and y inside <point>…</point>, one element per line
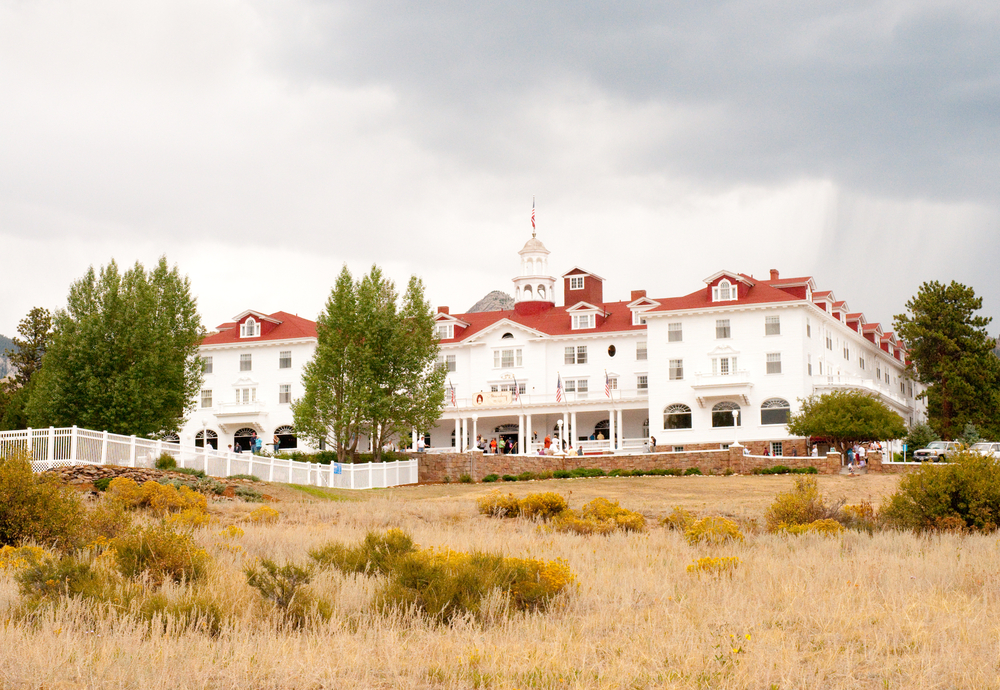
<point>613,383</point>
<point>506,359</point>
<point>722,415</point>
<point>576,282</point>
<point>249,328</point>
<point>447,362</point>
<point>861,361</point>
<point>245,396</point>
<point>677,416</point>
<point>776,448</point>
<point>821,368</point>
<point>583,321</point>
<point>809,328</point>
<point>829,341</point>
<point>246,362</point>
<point>576,355</point>
<point>509,388</point>
<point>675,333</point>
<point>723,366</point>
<point>772,325</point>
<point>206,365</point>
<point>285,393</point>
<point>446,331</point>
<point>578,386</point>
<point>809,365</point>
<point>206,397</point>
<point>774,411</point>
<point>774,363</point>
<point>638,318</point>
<point>847,352</point>
<point>640,350</point>
<point>612,350</point>
<point>507,336</point>
<point>878,372</point>
<point>285,360</point>
<point>676,369</point>
<point>678,449</point>
<point>724,291</point>
<point>722,328</point>
<point>642,383</point>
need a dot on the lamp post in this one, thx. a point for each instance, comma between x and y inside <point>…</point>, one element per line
<point>559,424</point>
<point>736,423</point>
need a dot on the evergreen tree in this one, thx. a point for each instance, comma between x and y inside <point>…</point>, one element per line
<point>123,355</point>
<point>846,417</point>
<point>25,358</point>
<point>373,372</point>
<point>951,351</point>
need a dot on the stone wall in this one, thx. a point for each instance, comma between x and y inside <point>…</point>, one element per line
<point>436,467</point>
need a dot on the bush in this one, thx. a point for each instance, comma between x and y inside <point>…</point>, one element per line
<point>251,477</point>
<point>160,553</point>
<point>37,508</point>
<point>680,519</point>
<point>374,555</point>
<point>509,478</point>
<point>51,578</point>
<point>102,483</point>
<point>249,494</point>
<point>713,531</point>
<point>166,462</point>
<point>691,470</point>
<point>490,478</point>
<point>544,505</point>
<point>465,479</point>
<point>285,586</point>
<point>264,515</point>
<point>825,527</point>
<point>800,506</point>
<point>190,518</point>
<point>16,558</point>
<point>496,504</point>
<point>159,498</point>
<point>107,520</point>
<point>600,516</point>
<point>724,565</point>
<point>561,474</point>
<point>200,474</point>
<point>963,494</point>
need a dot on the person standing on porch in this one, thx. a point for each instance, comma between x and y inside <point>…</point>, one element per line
<point>277,443</point>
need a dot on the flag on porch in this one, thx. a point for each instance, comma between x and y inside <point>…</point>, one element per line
<point>454,399</point>
<point>558,388</point>
<point>517,395</point>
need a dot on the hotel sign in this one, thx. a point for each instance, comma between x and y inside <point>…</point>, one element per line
<point>492,398</point>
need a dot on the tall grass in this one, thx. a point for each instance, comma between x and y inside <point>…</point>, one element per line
<point>889,610</point>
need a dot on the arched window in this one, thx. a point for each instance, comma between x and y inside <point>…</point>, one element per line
<point>774,411</point>
<point>213,439</point>
<point>722,415</point>
<point>724,291</point>
<point>249,328</point>
<point>541,292</point>
<point>527,293</point>
<point>171,438</point>
<point>505,336</point>
<point>677,416</point>
<point>286,438</point>
<point>243,438</point>
<point>531,268</point>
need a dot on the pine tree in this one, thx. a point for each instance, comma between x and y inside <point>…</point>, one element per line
<point>25,359</point>
<point>951,351</point>
<point>123,355</point>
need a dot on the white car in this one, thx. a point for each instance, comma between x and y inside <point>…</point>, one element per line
<point>986,448</point>
<point>937,451</point>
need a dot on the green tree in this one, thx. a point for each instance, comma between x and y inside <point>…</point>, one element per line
<point>123,355</point>
<point>846,417</point>
<point>951,352</point>
<point>373,371</point>
<point>26,359</point>
<point>920,436</point>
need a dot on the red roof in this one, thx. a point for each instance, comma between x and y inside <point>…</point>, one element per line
<point>553,321</point>
<point>289,328</point>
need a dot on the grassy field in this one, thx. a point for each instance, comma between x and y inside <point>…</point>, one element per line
<point>892,610</point>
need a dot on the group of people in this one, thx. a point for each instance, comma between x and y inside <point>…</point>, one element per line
<point>256,444</point>
<point>857,456</point>
<point>495,446</point>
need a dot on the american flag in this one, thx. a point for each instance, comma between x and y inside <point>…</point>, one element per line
<point>607,385</point>
<point>515,391</point>
<point>454,400</point>
<point>532,214</point>
<point>558,388</point>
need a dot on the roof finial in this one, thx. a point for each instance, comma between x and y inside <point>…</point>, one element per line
<point>532,216</point>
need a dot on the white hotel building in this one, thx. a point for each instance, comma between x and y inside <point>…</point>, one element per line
<point>727,362</point>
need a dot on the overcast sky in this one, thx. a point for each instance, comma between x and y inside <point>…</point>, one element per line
<point>261,145</point>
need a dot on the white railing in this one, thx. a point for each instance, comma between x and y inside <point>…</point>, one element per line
<point>56,447</point>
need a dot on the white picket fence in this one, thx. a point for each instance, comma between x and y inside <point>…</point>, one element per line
<point>56,447</point>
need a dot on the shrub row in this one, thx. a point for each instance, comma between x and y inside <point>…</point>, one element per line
<point>582,472</point>
<point>783,469</point>
<point>600,516</point>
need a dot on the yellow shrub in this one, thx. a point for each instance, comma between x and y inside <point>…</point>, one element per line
<point>264,515</point>
<point>544,505</point>
<point>190,517</point>
<point>800,506</point>
<point>570,522</point>
<point>713,530</point>
<point>825,527</point>
<point>125,491</point>
<point>724,565</point>
<point>232,532</point>
<point>15,558</point>
<point>495,504</point>
<point>680,519</point>
<point>160,498</point>
<point>192,499</point>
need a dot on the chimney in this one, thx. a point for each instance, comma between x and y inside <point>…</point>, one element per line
<point>636,294</point>
<point>442,310</point>
<point>774,274</point>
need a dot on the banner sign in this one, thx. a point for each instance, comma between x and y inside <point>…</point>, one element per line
<point>492,398</point>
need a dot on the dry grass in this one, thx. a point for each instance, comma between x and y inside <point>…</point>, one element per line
<point>893,610</point>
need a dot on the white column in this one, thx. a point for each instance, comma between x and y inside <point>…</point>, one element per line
<point>574,432</point>
<point>458,435</point>
<point>611,429</point>
<point>475,430</point>
<point>565,429</point>
<point>527,434</point>
<point>621,429</point>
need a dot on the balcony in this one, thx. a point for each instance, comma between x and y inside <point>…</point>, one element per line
<point>734,385</point>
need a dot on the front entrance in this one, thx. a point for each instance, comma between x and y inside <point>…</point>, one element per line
<point>507,433</point>
<point>243,440</point>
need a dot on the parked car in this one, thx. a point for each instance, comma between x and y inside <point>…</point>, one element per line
<point>937,451</point>
<point>987,448</point>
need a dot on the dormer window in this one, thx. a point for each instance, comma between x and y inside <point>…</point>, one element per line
<point>576,282</point>
<point>445,331</point>
<point>250,328</point>
<point>582,321</point>
<point>638,318</point>
<point>724,291</point>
